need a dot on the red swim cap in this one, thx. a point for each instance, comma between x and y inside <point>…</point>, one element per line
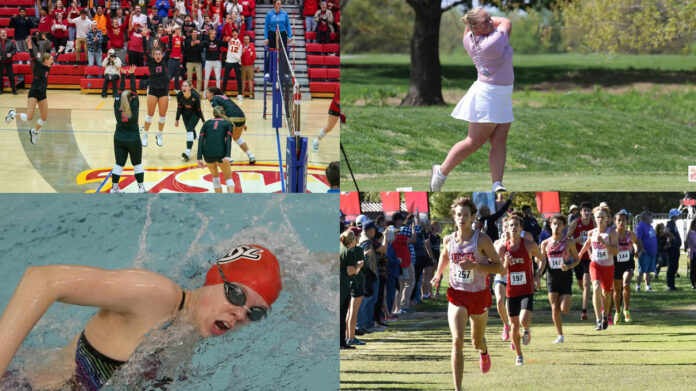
<point>251,265</point>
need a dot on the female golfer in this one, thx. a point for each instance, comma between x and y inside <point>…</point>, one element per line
<point>189,105</point>
<point>158,89</point>
<point>487,106</point>
<point>234,114</point>
<point>472,258</point>
<point>126,140</point>
<point>41,64</point>
<point>561,256</point>
<point>602,242</point>
<point>238,289</point>
<point>214,147</point>
<point>517,253</point>
<point>629,245</point>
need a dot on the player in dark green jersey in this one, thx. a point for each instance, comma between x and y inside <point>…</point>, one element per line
<point>214,145</point>
<point>235,115</point>
<point>188,105</point>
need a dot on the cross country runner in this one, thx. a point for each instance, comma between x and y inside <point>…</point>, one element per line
<point>472,258</point>
<point>577,231</point>
<point>624,264</point>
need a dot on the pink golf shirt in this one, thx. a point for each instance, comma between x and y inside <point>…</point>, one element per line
<point>494,54</point>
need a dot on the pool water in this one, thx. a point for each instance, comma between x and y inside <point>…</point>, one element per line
<point>179,236</point>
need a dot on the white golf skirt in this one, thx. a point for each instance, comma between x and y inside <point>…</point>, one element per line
<point>485,102</point>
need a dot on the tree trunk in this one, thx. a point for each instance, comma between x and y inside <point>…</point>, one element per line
<point>425,88</point>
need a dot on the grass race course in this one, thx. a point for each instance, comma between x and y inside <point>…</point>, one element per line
<point>582,123</point>
<point>655,352</point>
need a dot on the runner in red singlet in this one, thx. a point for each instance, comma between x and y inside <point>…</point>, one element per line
<point>629,245</point>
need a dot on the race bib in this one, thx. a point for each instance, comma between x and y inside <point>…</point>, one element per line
<point>555,262</point>
<point>601,254</point>
<point>518,278</point>
<point>465,276</point>
<point>624,256</point>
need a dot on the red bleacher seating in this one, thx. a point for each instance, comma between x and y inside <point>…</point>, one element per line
<point>332,61</point>
<point>333,37</point>
<point>310,35</point>
<point>21,68</point>
<point>24,56</point>
<point>317,73</point>
<point>18,3</point>
<point>314,48</point>
<point>10,33</point>
<point>322,86</point>
<point>314,60</point>
<point>7,11</point>
<point>333,73</point>
<point>92,71</point>
<point>4,22</point>
<point>70,57</point>
<point>331,48</point>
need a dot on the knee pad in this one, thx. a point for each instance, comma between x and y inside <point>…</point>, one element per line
<point>118,170</point>
<point>239,141</point>
<point>162,120</point>
<point>229,182</point>
<point>216,183</point>
<point>148,119</point>
<point>41,122</point>
<point>138,169</point>
<point>189,136</point>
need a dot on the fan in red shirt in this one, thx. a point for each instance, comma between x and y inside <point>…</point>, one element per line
<point>175,43</point>
<point>517,254</point>
<point>45,21</point>
<point>117,36</point>
<point>248,11</point>
<point>59,10</point>
<point>310,8</point>
<point>248,59</point>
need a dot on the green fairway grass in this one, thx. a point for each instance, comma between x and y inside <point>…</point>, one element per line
<point>581,123</point>
<point>655,352</point>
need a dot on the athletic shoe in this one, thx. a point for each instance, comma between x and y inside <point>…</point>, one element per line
<point>672,288</point>
<point>520,361</point>
<point>627,316</point>
<point>115,190</point>
<point>648,289</point>
<point>426,297</point>
<point>10,116</point>
<point>267,76</point>
<point>498,187</point>
<point>158,137</point>
<point>637,288</point>
<point>506,333</point>
<point>143,139</point>
<point>617,317</point>
<point>526,337</point>
<point>347,347</point>
<point>400,312</point>
<point>611,321</point>
<point>240,97</point>
<point>361,331</point>
<point>599,326</point>
<point>185,156</point>
<point>33,136</point>
<point>583,315</point>
<point>605,323</point>
<point>315,145</point>
<point>485,363</point>
<point>252,159</point>
<point>409,309</point>
<point>559,339</point>
<point>142,190</point>
<point>354,341</point>
<point>436,181</point>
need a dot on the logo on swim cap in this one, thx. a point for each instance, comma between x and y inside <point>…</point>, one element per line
<point>251,265</point>
<point>242,252</point>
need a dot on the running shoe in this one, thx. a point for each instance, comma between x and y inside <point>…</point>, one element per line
<point>240,97</point>
<point>506,333</point>
<point>637,288</point>
<point>498,187</point>
<point>426,297</point>
<point>252,159</point>
<point>648,289</point>
<point>143,138</point>
<point>485,363</point>
<point>142,190</point>
<point>436,181</point>
<point>158,137</point>
<point>617,317</point>
<point>583,315</point>
<point>520,361</point>
<point>33,136</point>
<point>627,316</point>
<point>315,145</point>
<point>10,116</point>
<point>526,337</point>
<point>559,339</point>
<point>185,156</point>
<point>611,321</point>
<point>599,326</point>
<point>354,341</point>
<point>115,190</point>
<point>605,323</point>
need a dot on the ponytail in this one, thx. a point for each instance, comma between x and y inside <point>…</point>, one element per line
<point>125,103</point>
<point>219,112</point>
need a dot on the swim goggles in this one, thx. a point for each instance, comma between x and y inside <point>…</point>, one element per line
<point>236,296</point>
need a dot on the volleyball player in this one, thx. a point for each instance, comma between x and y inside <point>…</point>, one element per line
<point>472,258</point>
<point>158,89</point>
<point>561,257</point>
<point>334,115</point>
<point>41,64</point>
<point>234,114</point>
<point>214,146</point>
<point>517,256</point>
<point>629,245</point>
<point>577,231</point>
<point>189,106</point>
<point>126,139</point>
<point>602,243</point>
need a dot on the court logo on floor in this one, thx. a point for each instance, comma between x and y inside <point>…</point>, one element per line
<point>257,178</point>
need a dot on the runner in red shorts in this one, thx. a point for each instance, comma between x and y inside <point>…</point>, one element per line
<point>517,256</point>
<point>472,258</point>
<point>603,244</point>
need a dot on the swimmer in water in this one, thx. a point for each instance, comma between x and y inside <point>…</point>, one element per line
<point>239,289</point>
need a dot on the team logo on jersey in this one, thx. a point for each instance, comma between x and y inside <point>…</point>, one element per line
<point>462,257</point>
<point>242,252</point>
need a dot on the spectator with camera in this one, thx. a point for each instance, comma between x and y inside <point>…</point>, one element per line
<point>324,23</point>
<point>112,72</point>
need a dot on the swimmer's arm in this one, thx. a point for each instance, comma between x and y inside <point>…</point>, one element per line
<point>444,261</point>
<point>495,265</point>
<point>504,23</point>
